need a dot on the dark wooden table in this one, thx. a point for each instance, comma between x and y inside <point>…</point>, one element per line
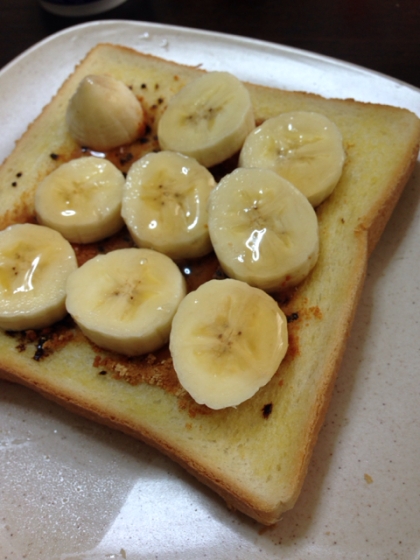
<point>382,35</point>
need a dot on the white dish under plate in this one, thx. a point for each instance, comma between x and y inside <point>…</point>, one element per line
<point>73,490</point>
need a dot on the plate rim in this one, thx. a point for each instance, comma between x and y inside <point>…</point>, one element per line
<point>192,32</point>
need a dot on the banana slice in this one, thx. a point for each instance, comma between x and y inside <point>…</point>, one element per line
<point>82,199</point>
<point>208,119</point>
<point>227,340</point>
<point>35,262</point>
<point>104,114</point>
<point>165,204</point>
<point>263,230</point>
<point>303,147</point>
<point>124,301</point>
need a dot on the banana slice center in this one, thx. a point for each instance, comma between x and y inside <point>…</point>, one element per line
<point>221,335</point>
<point>75,194</point>
<point>15,277</point>
<point>168,197</point>
<point>20,266</point>
<point>204,115</point>
<point>126,296</point>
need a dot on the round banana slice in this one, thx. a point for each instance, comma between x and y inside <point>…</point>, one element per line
<point>82,199</point>
<point>124,301</point>
<point>303,147</point>
<point>165,204</point>
<point>227,340</point>
<point>208,119</point>
<point>35,262</point>
<point>104,113</point>
<point>263,230</point>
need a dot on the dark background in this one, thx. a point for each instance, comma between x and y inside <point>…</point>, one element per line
<point>382,35</point>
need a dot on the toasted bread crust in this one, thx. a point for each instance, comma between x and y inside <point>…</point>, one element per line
<point>256,455</point>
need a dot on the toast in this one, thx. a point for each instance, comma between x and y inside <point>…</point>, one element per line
<point>255,455</point>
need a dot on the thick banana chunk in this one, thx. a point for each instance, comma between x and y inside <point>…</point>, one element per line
<point>208,119</point>
<point>263,230</point>
<point>303,147</point>
<point>165,204</point>
<point>82,199</point>
<point>104,113</point>
<point>35,262</point>
<point>124,301</point>
<point>227,340</point>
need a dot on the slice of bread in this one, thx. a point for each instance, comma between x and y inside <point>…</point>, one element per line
<point>255,455</point>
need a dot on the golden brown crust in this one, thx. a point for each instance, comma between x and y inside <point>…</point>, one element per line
<point>255,456</point>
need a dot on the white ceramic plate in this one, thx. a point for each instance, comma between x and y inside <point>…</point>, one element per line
<point>72,490</point>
